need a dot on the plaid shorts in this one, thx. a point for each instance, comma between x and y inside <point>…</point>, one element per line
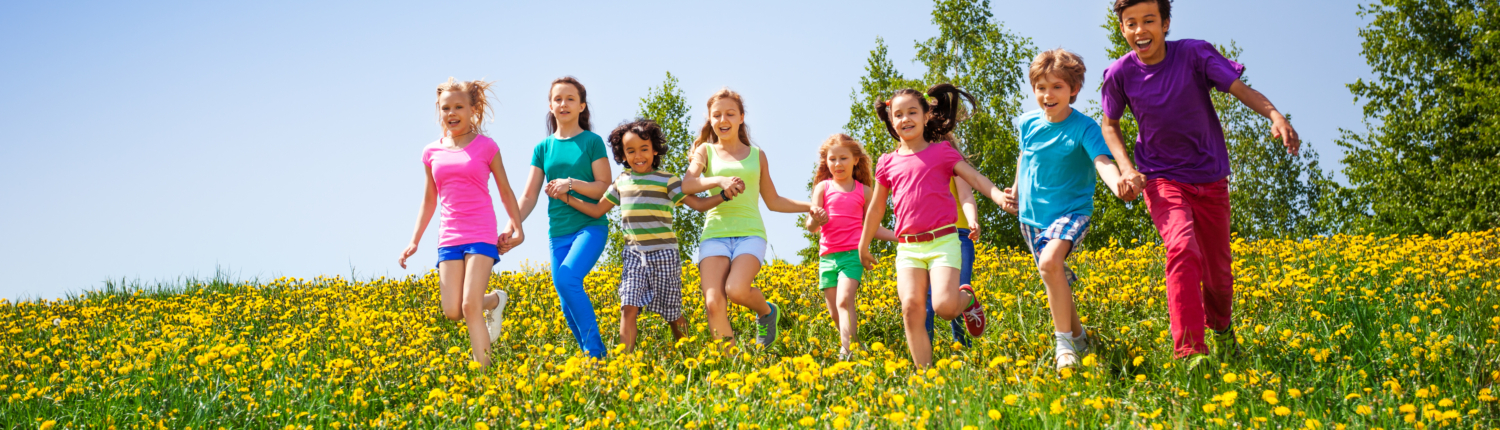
<point>1071,228</point>
<point>652,281</point>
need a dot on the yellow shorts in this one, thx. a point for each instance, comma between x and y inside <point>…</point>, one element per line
<point>944,251</point>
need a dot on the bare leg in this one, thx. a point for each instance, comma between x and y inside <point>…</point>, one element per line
<point>948,302</point>
<point>911,287</point>
<point>713,270</point>
<point>738,286</point>
<point>679,327</point>
<point>451,288</point>
<point>1059,293</point>
<point>476,281</point>
<point>628,329</point>
<point>831,299</point>
<point>848,312</point>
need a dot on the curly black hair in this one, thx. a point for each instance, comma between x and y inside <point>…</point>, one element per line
<point>642,128</point>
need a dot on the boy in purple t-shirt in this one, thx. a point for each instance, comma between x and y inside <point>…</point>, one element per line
<point>1184,162</point>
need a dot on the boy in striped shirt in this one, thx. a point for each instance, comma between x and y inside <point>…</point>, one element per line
<point>651,278</point>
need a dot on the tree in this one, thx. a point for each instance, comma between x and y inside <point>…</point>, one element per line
<point>976,53</point>
<point>667,106</point>
<point>1431,160</point>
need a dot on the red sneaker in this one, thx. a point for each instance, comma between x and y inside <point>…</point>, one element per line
<point>973,316</point>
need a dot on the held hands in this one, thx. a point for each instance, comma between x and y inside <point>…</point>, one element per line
<point>510,238</point>
<point>558,188</point>
<point>1281,128</point>
<point>818,216</point>
<point>1007,203</point>
<point>1131,184</point>
<point>407,253</point>
<point>732,186</point>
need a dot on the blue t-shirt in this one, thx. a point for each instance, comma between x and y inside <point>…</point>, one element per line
<point>1056,175</point>
<point>569,158</point>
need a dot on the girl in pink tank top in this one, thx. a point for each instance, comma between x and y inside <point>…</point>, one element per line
<point>838,214</point>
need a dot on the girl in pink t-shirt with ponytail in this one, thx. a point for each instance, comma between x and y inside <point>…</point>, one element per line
<point>459,166</point>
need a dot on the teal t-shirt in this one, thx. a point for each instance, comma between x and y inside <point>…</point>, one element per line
<point>569,158</point>
<point>1057,166</point>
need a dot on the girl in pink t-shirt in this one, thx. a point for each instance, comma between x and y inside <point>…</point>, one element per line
<point>459,166</point>
<point>917,173</point>
<point>843,187</point>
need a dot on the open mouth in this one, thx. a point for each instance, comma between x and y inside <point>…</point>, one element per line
<point>724,130</point>
<point>1049,105</point>
<point>453,122</point>
<point>1143,45</point>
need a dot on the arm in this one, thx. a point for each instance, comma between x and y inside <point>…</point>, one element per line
<point>512,235</point>
<point>593,210</point>
<point>981,183</point>
<point>594,190</point>
<point>1131,182</point>
<point>970,208</point>
<point>1108,172</point>
<point>813,223</point>
<point>700,204</point>
<point>533,187</point>
<point>424,217</point>
<point>774,201</point>
<point>881,233</point>
<point>1280,127</point>
<point>874,212</point>
<point>693,181</point>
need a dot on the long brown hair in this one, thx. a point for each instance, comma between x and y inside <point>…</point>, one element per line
<point>707,134</point>
<point>862,160</point>
<point>583,98</point>
<point>476,90</point>
<point>944,101</point>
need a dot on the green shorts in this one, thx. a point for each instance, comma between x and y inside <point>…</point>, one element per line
<point>839,264</point>
<point>944,251</point>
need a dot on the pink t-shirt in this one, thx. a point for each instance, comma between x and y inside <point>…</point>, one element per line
<point>846,217</point>
<point>919,186</point>
<point>467,215</point>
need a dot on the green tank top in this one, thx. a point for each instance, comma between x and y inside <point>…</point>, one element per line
<point>741,216</point>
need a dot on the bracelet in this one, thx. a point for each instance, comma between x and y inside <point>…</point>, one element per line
<point>723,196</point>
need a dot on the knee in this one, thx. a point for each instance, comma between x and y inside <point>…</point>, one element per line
<point>846,302</point>
<point>713,303</point>
<point>630,312</point>
<point>1049,266</point>
<point>473,307</point>
<point>914,308</point>
<point>453,312</point>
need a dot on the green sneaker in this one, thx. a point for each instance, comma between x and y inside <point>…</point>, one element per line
<point>766,330</point>
<point>1199,361</point>
<point>1227,344</point>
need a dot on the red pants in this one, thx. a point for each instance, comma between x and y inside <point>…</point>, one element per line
<point>1193,220</point>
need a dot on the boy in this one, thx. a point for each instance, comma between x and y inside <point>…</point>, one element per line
<point>1184,163</point>
<point>1054,190</point>
<point>651,278</point>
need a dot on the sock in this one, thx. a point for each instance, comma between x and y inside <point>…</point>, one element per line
<point>1064,342</point>
<point>1082,341</point>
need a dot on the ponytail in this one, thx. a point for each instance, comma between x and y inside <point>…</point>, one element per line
<point>478,92</point>
<point>945,103</point>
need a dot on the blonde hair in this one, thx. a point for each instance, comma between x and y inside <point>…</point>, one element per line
<point>707,134</point>
<point>862,166</point>
<point>478,99</point>
<point>1062,64</point>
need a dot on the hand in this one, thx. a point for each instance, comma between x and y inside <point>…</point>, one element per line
<point>1136,180</point>
<point>819,216</point>
<point>510,238</point>
<point>732,186</point>
<point>1008,202</point>
<point>1281,128</point>
<point>407,253</point>
<point>558,188</point>
<point>973,230</point>
<point>867,259</point>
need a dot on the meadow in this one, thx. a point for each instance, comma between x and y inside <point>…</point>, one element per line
<point>1340,332</point>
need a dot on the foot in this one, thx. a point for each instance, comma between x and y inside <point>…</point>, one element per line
<point>958,333</point>
<point>1068,349</point>
<point>766,330</point>
<point>844,354</point>
<point>1227,344</point>
<point>974,315</point>
<point>1066,359</point>
<point>1198,361</point>
<point>493,317</point>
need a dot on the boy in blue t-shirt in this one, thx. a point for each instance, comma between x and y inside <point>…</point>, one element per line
<point>1054,190</point>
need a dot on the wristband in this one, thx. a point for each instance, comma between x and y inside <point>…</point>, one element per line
<point>723,196</point>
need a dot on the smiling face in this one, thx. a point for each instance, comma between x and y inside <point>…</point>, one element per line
<point>1053,95</point>
<point>565,103</point>
<point>726,117</point>
<point>639,154</point>
<point>908,118</point>
<point>1145,30</point>
<point>455,113</point>
<point>841,162</point>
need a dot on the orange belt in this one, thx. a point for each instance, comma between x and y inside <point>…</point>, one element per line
<point>928,236</point>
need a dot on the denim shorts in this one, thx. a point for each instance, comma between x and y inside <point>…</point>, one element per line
<point>733,247</point>
<point>457,252</point>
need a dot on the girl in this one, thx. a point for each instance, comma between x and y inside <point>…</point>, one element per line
<point>571,159</point>
<point>843,187</point>
<point>917,172</point>
<point>734,238</point>
<point>458,166</point>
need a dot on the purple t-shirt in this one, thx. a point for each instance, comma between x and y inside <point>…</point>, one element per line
<point>1180,136</point>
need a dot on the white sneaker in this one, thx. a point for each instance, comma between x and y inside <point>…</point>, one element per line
<point>1066,360</point>
<point>494,316</point>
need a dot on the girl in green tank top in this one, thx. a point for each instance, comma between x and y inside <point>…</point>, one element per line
<point>723,153</point>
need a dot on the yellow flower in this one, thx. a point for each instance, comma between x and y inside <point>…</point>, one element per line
<point>480,425</point>
<point>1282,411</point>
<point>48,425</point>
<point>1230,377</point>
<point>807,421</point>
<point>994,414</point>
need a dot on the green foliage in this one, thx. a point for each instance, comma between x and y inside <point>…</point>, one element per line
<point>667,106</point>
<point>1431,160</point>
<point>972,51</point>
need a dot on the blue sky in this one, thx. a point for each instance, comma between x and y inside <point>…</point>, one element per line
<point>157,140</point>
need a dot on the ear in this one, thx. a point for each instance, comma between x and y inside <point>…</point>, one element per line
<point>1075,92</point>
<point>1166,25</point>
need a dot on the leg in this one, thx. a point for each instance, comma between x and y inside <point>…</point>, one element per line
<point>713,271</point>
<point>451,288</point>
<point>1211,217</point>
<point>948,302</point>
<point>476,280</point>
<point>965,277</point>
<point>1173,216</point>
<point>911,287</point>
<point>628,315</point>
<point>679,328</point>
<point>847,312</point>
<point>577,259</point>
<point>830,299</point>
<point>739,285</point>
<point>1059,293</point>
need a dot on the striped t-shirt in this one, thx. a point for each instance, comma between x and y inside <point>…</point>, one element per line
<point>646,201</point>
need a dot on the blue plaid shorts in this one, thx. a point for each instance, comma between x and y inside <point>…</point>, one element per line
<point>652,281</point>
<point>1071,228</point>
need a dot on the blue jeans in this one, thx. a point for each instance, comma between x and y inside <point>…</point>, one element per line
<point>573,256</point>
<point>965,274</point>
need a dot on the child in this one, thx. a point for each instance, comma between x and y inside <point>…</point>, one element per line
<point>843,186</point>
<point>734,238</point>
<point>458,166</point>
<point>917,172</point>
<point>652,275</point>
<point>1059,145</point>
<point>1184,163</point>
